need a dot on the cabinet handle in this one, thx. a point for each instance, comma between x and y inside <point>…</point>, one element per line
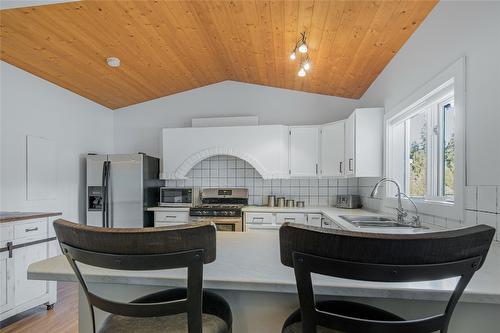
<point>171,216</point>
<point>316,168</point>
<point>31,229</point>
<point>350,164</point>
<point>255,219</point>
<point>340,167</point>
<point>289,218</point>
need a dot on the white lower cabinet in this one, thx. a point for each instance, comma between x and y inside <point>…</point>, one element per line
<point>165,217</point>
<point>290,217</point>
<point>17,293</point>
<point>260,218</point>
<point>172,216</point>
<point>328,223</point>
<point>25,289</point>
<point>6,281</point>
<point>273,221</point>
<point>314,220</point>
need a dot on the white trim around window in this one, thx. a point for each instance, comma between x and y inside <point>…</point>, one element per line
<point>450,81</point>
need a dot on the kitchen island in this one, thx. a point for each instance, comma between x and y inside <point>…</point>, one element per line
<point>262,292</point>
<point>25,238</point>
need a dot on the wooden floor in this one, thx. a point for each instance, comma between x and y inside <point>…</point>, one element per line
<point>63,318</point>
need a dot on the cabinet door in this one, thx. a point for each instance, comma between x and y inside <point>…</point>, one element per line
<point>332,150</point>
<point>6,282</point>
<point>290,217</point>
<point>349,145</point>
<point>304,151</point>
<point>27,290</point>
<point>314,220</point>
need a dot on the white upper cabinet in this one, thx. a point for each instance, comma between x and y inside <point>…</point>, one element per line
<point>332,149</point>
<point>350,140</point>
<point>346,148</point>
<point>264,147</point>
<point>304,144</point>
<point>364,143</point>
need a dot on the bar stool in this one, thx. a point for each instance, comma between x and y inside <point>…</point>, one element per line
<point>190,309</point>
<point>381,258</point>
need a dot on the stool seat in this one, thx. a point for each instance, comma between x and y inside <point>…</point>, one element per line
<point>297,328</point>
<point>350,309</point>
<point>171,324</point>
<point>216,316</point>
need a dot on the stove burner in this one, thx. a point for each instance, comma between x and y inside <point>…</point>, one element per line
<point>221,203</point>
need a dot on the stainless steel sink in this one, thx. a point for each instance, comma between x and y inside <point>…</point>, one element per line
<point>373,222</point>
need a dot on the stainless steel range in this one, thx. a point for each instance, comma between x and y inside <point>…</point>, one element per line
<point>221,206</point>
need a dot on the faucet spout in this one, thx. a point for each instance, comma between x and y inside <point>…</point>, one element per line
<point>401,211</point>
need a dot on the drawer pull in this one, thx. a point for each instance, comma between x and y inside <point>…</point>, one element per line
<point>31,229</point>
<point>170,216</point>
<point>289,218</point>
<point>255,219</point>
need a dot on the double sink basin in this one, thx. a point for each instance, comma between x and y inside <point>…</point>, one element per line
<point>368,221</point>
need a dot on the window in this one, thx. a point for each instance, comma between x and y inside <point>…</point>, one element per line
<point>425,147</point>
<point>428,151</point>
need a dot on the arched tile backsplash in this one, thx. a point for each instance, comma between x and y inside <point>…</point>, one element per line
<point>229,171</point>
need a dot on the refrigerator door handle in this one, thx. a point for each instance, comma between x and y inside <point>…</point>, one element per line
<point>103,193</point>
<point>108,174</point>
<point>108,171</point>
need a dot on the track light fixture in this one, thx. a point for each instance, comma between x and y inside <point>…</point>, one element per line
<point>302,48</point>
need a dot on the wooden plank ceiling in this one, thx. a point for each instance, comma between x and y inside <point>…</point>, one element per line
<point>167,47</point>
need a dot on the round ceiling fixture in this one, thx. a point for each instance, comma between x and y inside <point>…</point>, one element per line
<point>113,62</point>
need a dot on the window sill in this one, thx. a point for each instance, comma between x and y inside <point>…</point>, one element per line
<point>445,209</point>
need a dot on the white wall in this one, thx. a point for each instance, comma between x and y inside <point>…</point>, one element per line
<point>32,106</point>
<point>452,30</point>
<point>138,127</point>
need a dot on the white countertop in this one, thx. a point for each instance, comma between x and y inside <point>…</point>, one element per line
<point>334,214</point>
<point>168,209</point>
<point>250,261</point>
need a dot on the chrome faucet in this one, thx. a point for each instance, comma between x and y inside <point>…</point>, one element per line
<point>401,213</point>
<point>415,220</point>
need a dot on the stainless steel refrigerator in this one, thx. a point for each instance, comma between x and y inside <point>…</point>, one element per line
<point>120,188</point>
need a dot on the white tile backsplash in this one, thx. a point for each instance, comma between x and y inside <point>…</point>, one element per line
<point>470,217</point>
<point>482,205</point>
<point>487,199</point>
<point>228,171</point>
<point>471,197</point>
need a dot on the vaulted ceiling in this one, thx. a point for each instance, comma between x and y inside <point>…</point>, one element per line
<point>167,47</point>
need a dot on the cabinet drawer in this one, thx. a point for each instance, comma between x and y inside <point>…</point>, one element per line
<point>259,218</point>
<point>168,224</point>
<point>6,234</point>
<point>290,217</point>
<point>33,228</point>
<point>329,224</point>
<point>172,216</point>
<point>314,219</point>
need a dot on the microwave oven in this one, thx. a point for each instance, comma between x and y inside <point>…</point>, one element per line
<point>177,197</point>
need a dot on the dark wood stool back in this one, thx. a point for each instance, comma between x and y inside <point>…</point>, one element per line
<point>142,249</point>
<point>381,258</point>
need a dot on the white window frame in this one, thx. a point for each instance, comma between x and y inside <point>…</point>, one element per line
<point>453,76</point>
